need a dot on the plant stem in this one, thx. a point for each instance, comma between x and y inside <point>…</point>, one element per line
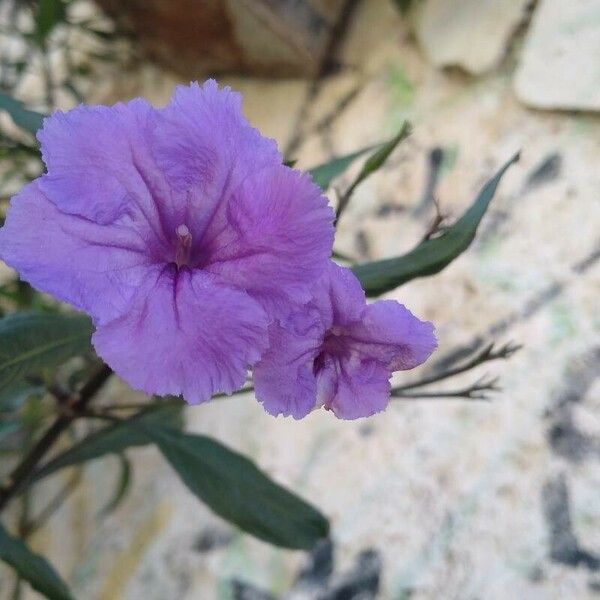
<point>476,391</point>
<point>486,355</point>
<point>76,404</point>
<point>442,395</point>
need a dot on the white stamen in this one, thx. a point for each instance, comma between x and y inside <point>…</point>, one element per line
<point>182,231</point>
<point>184,245</point>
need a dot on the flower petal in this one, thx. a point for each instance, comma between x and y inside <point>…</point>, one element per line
<point>206,148</point>
<point>283,379</point>
<point>95,268</point>
<point>100,167</point>
<point>187,334</point>
<point>353,388</point>
<point>275,238</point>
<point>389,332</point>
<point>341,295</point>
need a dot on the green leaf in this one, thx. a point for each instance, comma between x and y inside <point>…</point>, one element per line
<point>33,568</point>
<point>30,342</point>
<point>324,174</point>
<point>430,256</point>
<point>122,488</point>
<point>379,157</point>
<point>234,488</point>
<point>48,15</point>
<point>113,439</point>
<point>372,164</point>
<point>26,119</point>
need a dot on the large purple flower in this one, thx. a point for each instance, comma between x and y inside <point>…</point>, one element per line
<point>339,352</point>
<point>178,230</point>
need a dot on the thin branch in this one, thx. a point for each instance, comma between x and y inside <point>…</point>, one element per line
<point>19,477</point>
<point>437,224</point>
<point>477,391</point>
<point>489,353</point>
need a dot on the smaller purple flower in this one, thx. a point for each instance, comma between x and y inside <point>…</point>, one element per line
<point>339,352</point>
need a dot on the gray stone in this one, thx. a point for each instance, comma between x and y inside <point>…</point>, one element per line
<point>471,34</point>
<point>560,65</point>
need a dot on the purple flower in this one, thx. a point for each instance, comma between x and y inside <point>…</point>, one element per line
<point>178,230</point>
<point>339,352</point>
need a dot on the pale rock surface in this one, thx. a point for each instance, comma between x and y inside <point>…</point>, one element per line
<point>560,64</point>
<point>471,34</point>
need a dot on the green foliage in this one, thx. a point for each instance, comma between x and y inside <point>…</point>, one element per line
<point>32,567</point>
<point>432,255</point>
<point>324,174</point>
<point>48,15</point>
<point>31,342</point>
<point>26,119</point>
<point>380,156</point>
<point>373,164</point>
<point>234,488</point>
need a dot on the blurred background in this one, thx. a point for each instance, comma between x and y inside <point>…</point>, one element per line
<point>433,499</point>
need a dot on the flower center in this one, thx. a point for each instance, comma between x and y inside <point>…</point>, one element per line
<point>183,246</point>
<point>335,344</point>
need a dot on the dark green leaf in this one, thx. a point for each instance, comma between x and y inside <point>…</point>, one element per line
<point>33,568</point>
<point>122,488</point>
<point>113,439</point>
<point>324,174</point>
<point>234,488</point>
<point>433,255</point>
<point>30,342</point>
<point>48,15</point>
<point>26,119</point>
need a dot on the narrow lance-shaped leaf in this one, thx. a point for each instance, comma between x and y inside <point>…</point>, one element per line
<point>113,439</point>
<point>324,174</point>
<point>33,568</point>
<point>378,158</point>
<point>26,119</point>
<point>433,255</point>
<point>374,163</point>
<point>30,342</point>
<point>234,488</point>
